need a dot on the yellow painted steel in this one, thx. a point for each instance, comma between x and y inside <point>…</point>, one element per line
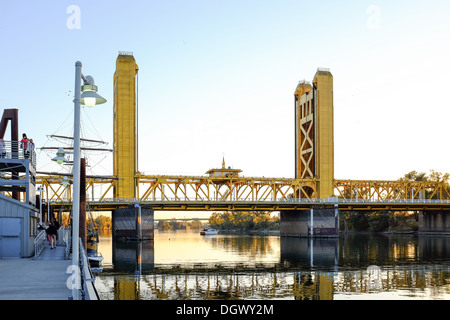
<point>304,132</point>
<point>125,126</point>
<point>314,132</point>
<point>201,193</point>
<point>200,188</point>
<point>385,190</point>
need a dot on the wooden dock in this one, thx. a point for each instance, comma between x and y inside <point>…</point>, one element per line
<point>42,279</point>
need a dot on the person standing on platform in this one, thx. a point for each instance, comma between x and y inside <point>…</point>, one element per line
<point>24,145</point>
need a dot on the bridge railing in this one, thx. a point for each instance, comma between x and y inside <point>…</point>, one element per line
<point>331,200</point>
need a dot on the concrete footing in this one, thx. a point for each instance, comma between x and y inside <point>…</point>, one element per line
<point>434,222</point>
<point>135,223</point>
<point>319,221</point>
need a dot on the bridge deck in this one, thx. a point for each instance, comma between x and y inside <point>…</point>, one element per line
<point>268,205</point>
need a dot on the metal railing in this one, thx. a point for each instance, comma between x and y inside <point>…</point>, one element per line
<point>331,200</point>
<point>39,243</point>
<point>88,291</point>
<point>67,240</point>
<point>18,150</point>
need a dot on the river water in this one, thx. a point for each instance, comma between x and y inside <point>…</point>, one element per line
<point>182,265</point>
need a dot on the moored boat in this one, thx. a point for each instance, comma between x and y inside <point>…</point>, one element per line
<point>95,259</point>
<point>208,232</point>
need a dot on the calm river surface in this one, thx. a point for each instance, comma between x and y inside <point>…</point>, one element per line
<point>182,265</point>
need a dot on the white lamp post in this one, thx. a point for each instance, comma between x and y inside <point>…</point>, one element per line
<point>89,98</point>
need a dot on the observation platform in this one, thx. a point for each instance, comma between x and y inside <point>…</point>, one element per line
<point>18,170</point>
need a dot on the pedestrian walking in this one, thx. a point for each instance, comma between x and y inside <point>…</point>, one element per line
<point>51,232</point>
<point>57,227</point>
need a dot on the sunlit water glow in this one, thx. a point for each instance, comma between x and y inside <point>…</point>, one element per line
<point>185,265</point>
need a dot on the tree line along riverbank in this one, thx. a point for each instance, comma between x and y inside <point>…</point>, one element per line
<point>383,221</point>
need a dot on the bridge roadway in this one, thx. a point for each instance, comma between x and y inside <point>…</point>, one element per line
<point>266,205</point>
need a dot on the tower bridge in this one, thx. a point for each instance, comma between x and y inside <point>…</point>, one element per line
<point>309,203</point>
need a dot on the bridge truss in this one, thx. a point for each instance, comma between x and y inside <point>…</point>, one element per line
<point>250,193</point>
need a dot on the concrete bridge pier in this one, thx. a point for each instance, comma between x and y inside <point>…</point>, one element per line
<point>319,221</point>
<point>134,223</point>
<point>434,222</point>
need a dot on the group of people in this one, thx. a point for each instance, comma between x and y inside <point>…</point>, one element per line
<point>25,144</point>
<point>52,233</point>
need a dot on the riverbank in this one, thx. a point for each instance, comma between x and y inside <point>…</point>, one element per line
<point>251,232</point>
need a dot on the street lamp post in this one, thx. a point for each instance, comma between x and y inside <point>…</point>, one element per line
<point>76,180</point>
<point>90,99</point>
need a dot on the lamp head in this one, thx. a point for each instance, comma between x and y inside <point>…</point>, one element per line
<point>89,95</point>
<point>60,159</point>
<point>65,183</point>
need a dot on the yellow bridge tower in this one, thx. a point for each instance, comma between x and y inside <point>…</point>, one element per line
<point>314,133</point>
<point>125,126</point>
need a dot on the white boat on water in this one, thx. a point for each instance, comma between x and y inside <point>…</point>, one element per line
<point>208,232</point>
<point>95,259</point>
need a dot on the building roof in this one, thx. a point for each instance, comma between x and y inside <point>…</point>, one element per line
<point>224,170</point>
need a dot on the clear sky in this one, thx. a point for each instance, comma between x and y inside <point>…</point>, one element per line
<point>218,77</point>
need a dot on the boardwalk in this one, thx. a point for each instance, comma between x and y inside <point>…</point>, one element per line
<point>42,279</point>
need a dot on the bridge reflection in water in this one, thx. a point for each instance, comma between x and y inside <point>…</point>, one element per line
<point>354,266</point>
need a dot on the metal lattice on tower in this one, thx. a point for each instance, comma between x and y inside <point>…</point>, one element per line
<point>314,136</point>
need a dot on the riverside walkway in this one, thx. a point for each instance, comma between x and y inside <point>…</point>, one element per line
<point>41,279</point>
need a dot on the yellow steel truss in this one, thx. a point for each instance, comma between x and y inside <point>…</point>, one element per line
<point>54,191</point>
<point>224,189</point>
<point>247,193</point>
<point>382,190</point>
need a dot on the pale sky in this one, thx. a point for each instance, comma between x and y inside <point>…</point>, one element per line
<point>218,77</point>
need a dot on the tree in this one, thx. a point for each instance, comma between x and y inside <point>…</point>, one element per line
<point>103,222</point>
<point>436,176</point>
<point>175,224</point>
<point>244,220</point>
<point>164,225</point>
<point>414,176</point>
<point>196,224</point>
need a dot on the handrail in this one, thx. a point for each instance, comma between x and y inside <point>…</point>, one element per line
<point>88,291</point>
<point>18,150</point>
<point>331,200</point>
<point>39,243</point>
<point>67,240</point>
